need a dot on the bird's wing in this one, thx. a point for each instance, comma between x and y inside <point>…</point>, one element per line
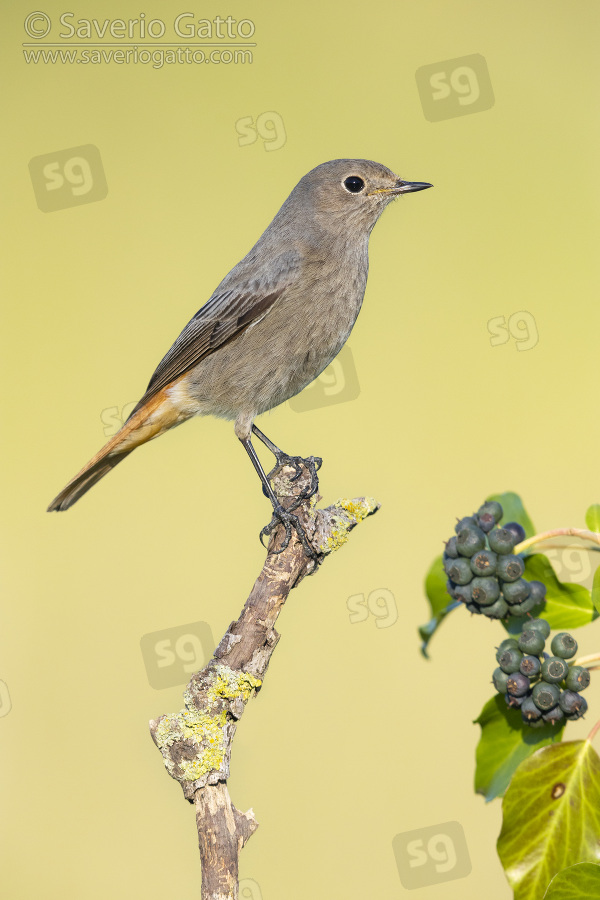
<point>229,311</point>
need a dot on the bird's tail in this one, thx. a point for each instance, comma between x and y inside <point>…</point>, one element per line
<point>146,422</point>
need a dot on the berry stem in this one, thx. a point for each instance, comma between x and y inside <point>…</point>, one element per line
<point>593,732</point>
<point>584,660</point>
<point>582,533</point>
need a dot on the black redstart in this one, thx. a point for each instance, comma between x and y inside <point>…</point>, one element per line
<point>272,325</point>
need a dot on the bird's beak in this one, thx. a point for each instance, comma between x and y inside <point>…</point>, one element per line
<point>406,187</point>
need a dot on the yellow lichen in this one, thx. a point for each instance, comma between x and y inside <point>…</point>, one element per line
<point>340,526</point>
<point>359,509</point>
<point>204,729</point>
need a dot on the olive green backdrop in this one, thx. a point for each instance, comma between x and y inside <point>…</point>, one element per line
<point>130,189</point>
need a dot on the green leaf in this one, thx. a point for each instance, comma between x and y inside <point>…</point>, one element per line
<point>567,605</point>
<point>550,816</point>
<point>505,742</point>
<point>592,517</point>
<point>596,590</point>
<point>439,600</point>
<point>580,882</point>
<point>514,511</point>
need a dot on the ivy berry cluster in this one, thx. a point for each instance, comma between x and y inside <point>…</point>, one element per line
<point>545,688</point>
<point>482,569</point>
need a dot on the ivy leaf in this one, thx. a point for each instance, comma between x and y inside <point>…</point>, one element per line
<point>551,816</point>
<point>505,742</point>
<point>580,882</point>
<point>514,511</point>
<point>568,605</point>
<point>439,600</point>
<point>596,590</point>
<point>592,517</point>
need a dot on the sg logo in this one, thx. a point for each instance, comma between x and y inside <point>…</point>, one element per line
<point>68,178</point>
<point>432,855</point>
<point>173,655</point>
<point>381,603</point>
<point>336,384</point>
<point>114,418</point>
<point>269,126</point>
<point>455,87</point>
<point>521,326</point>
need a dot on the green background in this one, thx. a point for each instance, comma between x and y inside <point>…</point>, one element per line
<point>354,738</point>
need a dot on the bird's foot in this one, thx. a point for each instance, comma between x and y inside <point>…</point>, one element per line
<point>285,517</point>
<point>312,464</point>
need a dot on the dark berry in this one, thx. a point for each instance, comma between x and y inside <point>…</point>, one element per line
<point>554,715</point>
<point>473,608</point>
<point>489,514</point>
<point>498,609</point>
<point>510,568</point>
<point>564,645</point>
<point>501,540</point>
<point>581,711</point>
<point>460,592</point>
<point>537,590</point>
<point>521,609</point>
<point>540,624</point>
<point>554,670</point>
<point>485,591</point>
<point>500,678</point>
<point>504,645</point>
<point>577,678</point>
<point>514,591</point>
<point>466,522</point>
<point>572,704</point>
<point>517,530</point>
<point>450,551</point>
<point>458,570</point>
<point>530,666</point>
<point>529,711</point>
<point>484,562</point>
<point>470,540</point>
<point>517,684</point>
<point>531,642</point>
<point>510,660</point>
<point>514,702</point>
<point>545,696</point>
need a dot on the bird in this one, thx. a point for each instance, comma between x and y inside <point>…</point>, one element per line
<point>272,325</point>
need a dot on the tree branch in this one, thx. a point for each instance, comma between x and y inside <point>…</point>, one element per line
<point>196,741</point>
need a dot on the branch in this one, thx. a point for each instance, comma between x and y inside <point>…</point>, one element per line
<point>196,741</point>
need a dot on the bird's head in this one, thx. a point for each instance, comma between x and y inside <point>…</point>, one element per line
<point>355,191</point>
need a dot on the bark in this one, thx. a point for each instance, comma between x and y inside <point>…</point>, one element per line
<point>196,741</point>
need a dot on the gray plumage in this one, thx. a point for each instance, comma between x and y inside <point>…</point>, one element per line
<point>276,320</point>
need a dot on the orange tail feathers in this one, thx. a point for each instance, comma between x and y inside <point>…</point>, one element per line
<point>147,422</point>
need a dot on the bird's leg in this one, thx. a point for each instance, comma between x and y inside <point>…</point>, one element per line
<point>281,515</point>
<point>312,463</point>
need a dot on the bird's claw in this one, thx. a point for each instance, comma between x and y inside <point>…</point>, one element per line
<point>312,464</point>
<point>286,518</point>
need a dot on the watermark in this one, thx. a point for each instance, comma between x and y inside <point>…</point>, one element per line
<point>184,39</point>
<point>171,656</point>
<point>431,855</point>
<point>114,417</point>
<point>68,178</point>
<point>5,701</point>
<point>574,563</point>
<point>380,603</point>
<point>268,127</point>
<point>338,383</point>
<point>455,87</point>
<point>520,326</point>
<point>249,889</point>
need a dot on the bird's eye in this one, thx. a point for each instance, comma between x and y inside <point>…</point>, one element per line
<point>354,184</point>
